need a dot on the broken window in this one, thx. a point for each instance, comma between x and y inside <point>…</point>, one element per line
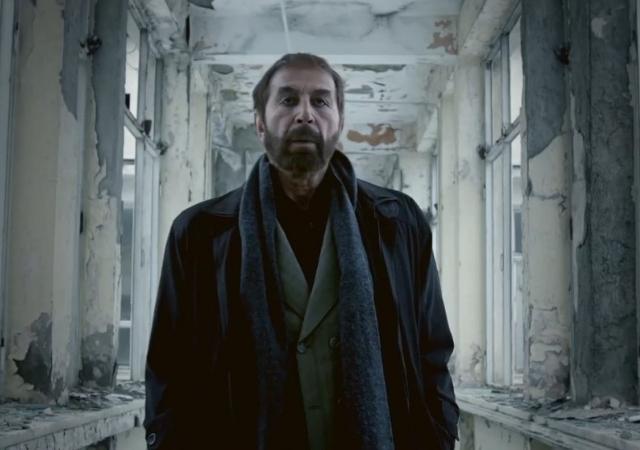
<point>7,19</point>
<point>140,190</point>
<point>505,312</point>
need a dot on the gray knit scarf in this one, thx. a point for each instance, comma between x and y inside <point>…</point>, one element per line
<point>365,396</point>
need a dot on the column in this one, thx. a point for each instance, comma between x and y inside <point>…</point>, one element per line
<point>45,203</point>
<point>546,202</point>
<point>102,209</point>
<point>604,355</point>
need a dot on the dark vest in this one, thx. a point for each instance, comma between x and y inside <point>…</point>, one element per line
<point>312,325</point>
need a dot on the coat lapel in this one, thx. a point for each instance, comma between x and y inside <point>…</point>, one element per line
<point>324,294</point>
<point>293,281</point>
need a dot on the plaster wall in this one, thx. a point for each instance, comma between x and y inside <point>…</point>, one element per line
<point>603,247</point>
<point>416,177</point>
<point>547,271</point>
<point>479,24</point>
<point>101,269</point>
<point>448,219</point>
<point>546,209</point>
<point>44,218</point>
<point>184,175</point>
<point>469,181</point>
<point>379,136</point>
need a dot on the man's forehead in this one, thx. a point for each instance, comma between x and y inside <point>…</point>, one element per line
<point>302,77</point>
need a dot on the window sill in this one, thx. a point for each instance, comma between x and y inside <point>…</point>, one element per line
<point>610,430</point>
<point>65,428</point>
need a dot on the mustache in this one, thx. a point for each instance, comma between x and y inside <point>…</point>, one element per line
<point>303,133</point>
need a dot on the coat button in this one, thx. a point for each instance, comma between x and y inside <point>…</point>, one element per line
<point>301,348</point>
<point>151,439</point>
<point>334,342</point>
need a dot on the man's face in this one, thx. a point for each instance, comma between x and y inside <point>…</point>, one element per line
<point>301,123</point>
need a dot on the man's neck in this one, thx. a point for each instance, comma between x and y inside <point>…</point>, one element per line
<point>300,189</point>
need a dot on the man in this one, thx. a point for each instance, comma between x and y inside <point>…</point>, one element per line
<point>303,310</point>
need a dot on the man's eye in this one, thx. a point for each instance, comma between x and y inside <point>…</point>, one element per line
<point>320,102</point>
<point>288,101</point>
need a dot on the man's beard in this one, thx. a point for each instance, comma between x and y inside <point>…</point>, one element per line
<point>300,162</point>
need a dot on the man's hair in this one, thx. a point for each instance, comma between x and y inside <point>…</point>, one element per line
<point>261,90</point>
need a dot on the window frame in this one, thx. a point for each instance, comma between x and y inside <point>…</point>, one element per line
<point>145,263</point>
<point>503,363</point>
<point>435,195</point>
<point>637,171</point>
<point>8,49</point>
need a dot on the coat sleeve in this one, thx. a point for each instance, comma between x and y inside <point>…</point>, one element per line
<point>436,344</point>
<point>164,385</point>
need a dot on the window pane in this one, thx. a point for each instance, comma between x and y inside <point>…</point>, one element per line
<point>133,63</point>
<point>517,305</point>
<point>126,244</point>
<point>496,98</point>
<point>124,346</point>
<point>515,72</point>
<point>126,241</point>
<point>497,268</point>
<point>129,148</point>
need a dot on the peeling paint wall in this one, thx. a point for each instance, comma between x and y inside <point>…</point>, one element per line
<point>469,179</point>
<point>546,208</point>
<point>479,24</point>
<point>604,313</point>
<point>184,167</point>
<point>448,220</point>
<point>45,190</point>
<point>102,211</point>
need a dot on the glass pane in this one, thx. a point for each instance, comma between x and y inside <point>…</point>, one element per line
<point>129,148</point>
<point>497,269</point>
<point>124,346</point>
<point>515,72</point>
<point>126,240</point>
<point>517,305</point>
<point>133,63</point>
<point>496,98</point>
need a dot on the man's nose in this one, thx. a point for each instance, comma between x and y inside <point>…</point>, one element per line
<point>304,113</point>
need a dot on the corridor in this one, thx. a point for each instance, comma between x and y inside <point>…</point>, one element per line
<point>513,124</point>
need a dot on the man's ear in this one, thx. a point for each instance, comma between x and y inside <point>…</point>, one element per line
<point>260,127</point>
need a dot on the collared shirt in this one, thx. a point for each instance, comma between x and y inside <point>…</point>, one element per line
<point>304,227</point>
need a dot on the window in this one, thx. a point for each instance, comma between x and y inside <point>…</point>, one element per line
<point>140,189</point>
<point>7,22</point>
<point>505,312</point>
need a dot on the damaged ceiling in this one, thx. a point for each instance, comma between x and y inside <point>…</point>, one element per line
<point>386,50</point>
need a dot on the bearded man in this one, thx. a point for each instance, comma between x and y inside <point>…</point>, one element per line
<point>303,310</point>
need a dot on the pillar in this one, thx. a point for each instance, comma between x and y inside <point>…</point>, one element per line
<point>604,357</point>
<point>102,210</point>
<point>546,202</point>
<point>45,202</point>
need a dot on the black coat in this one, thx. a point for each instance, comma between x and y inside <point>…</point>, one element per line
<point>201,376</point>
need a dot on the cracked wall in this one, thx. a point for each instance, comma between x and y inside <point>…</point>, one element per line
<point>44,219</point>
<point>461,219</point>
<point>546,203</point>
<point>604,247</point>
<point>185,167</point>
<point>101,284</point>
